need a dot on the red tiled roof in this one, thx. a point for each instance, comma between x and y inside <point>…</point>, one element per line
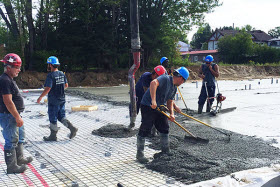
<point>199,52</point>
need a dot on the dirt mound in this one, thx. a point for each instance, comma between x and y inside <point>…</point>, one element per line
<point>31,79</point>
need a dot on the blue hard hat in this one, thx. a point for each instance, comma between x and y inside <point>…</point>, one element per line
<point>53,60</point>
<point>184,72</point>
<point>209,58</point>
<point>163,59</point>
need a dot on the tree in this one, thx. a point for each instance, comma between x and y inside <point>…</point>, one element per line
<point>96,33</point>
<point>248,28</point>
<point>236,49</point>
<point>201,36</point>
<point>275,33</point>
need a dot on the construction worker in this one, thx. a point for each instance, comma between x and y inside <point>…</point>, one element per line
<point>164,62</point>
<point>55,84</point>
<point>11,105</point>
<point>143,83</point>
<point>162,91</point>
<point>207,72</point>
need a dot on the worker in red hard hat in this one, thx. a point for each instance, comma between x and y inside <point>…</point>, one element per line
<point>11,105</point>
<point>144,83</point>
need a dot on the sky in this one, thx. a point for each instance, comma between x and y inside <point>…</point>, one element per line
<point>260,14</point>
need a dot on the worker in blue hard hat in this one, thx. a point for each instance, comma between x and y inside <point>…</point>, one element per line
<point>208,72</point>
<point>164,61</point>
<point>55,85</point>
<point>161,92</point>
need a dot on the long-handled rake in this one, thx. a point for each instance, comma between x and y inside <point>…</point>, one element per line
<point>227,134</point>
<point>192,137</point>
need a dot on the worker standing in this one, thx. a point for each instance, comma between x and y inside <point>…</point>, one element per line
<point>207,72</point>
<point>11,105</point>
<point>164,61</point>
<point>55,85</point>
<point>162,91</point>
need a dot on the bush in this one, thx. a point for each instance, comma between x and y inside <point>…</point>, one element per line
<point>40,59</point>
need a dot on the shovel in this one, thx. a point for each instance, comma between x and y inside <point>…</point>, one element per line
<point>205,124</point>
<point>192,137</point>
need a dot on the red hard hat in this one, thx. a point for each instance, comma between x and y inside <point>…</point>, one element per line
<point>12,59</point>
<point>159,70</point>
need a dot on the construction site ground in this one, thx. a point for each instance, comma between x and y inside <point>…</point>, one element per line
<point>103,152</point>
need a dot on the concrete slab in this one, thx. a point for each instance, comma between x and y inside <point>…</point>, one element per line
<point>89,160</point>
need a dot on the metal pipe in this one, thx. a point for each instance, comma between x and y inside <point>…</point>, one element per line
<point>135,46</point>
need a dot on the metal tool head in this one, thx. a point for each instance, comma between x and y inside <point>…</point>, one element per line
<point>196,140</point>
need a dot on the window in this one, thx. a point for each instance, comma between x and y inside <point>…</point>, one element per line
<point>195,58</point>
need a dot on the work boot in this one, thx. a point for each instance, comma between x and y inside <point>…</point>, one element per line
<point>69,125</point>
<point>11,162</point>
<point>154,132</point>
<point>131,125</point>
<point>140,150</point>
<point>208,107</point>
<point>20,158</point>
<point>165,144</point>
<point>52,136</point>
<point>200,108</point>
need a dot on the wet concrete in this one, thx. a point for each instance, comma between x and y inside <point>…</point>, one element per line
<point>193,162</point>
<point>115,131</point>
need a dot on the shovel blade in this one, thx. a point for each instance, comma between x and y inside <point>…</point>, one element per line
<point>196,140</point>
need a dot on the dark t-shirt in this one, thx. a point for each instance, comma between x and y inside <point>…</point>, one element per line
<point>209,77</point>
<point>165,91</point>
<point>56,81</point>
<point>9,86</point>
<point>144,81</point>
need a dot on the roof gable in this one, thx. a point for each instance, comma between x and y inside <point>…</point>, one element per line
<point>260,36</point>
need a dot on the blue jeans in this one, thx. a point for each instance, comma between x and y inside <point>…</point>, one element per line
<point>11,133</point>
<point>56,112</point>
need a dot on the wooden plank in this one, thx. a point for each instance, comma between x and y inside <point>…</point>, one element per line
<point>84,108</point>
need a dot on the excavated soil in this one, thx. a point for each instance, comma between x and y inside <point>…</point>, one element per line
<point>99,79</point>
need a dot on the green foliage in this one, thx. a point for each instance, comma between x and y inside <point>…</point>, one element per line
<point>265,54</point>
<point>96,33</point>
<point>275,33</point>
<point>40,58</point>
<point>201,36</point>
<point>248,28</point>
<point>240,49</point>
<point>178,62</point>
<point>1,68</point>
<point>236,49</point>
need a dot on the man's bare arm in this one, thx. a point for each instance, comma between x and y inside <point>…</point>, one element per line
<point>7,99</point>
<point>45,92</point>
<point>153,89</point>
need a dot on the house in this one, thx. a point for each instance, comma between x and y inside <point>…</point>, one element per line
<point>199,56</point>
<point>275,42</point>
<point>258,36</point>
<point>183,47</point>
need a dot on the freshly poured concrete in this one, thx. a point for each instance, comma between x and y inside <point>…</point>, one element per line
<point>256,115</point>
<point>257,109</point>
